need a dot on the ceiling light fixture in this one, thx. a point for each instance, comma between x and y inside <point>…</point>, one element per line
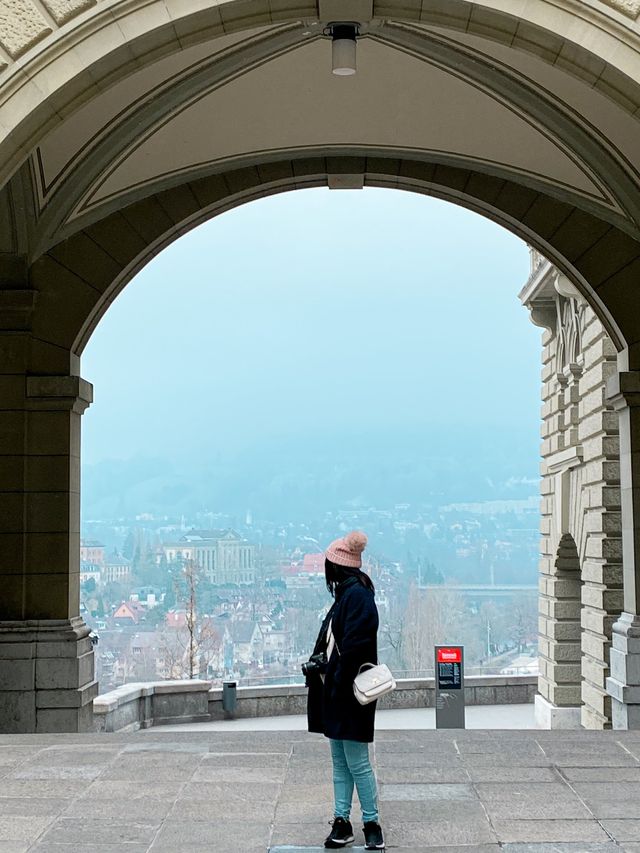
<point>343,47</point>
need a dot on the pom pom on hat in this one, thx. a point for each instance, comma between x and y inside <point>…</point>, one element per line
<point>348,550</point>
<point>356,541</point>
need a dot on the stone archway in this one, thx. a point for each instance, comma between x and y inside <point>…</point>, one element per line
<point>124,125</point>
<point>559,685</point>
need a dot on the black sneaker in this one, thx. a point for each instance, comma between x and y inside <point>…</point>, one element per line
<point>373,839</point>
<point>340,835</point>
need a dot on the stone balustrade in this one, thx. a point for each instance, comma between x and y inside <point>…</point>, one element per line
<point>135,706</point>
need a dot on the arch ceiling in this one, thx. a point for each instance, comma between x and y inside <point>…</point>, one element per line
<point>535,126</point>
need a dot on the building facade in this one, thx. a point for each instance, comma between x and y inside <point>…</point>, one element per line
<point>223,555</point>
<point>581,594</point>
<point>92,551</point>
<point>116,570</point>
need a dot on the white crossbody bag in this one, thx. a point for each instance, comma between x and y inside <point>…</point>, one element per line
<point>372,681</point>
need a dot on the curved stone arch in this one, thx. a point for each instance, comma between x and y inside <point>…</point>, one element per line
<point>560,608</point>
<point>604,164</point>
<point>62,59</point>
<point>81,275</point>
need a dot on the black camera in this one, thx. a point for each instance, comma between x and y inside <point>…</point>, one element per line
<point>315,665</point>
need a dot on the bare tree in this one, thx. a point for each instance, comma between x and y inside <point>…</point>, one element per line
<point>433,617</point>
<point>189,654</point>
<point>392,633</point>
<point>523,621</point>
<point>189,650</point>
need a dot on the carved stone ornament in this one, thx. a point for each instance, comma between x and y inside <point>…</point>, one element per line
<point>570,326</point>
<point>627,7</point>
<point>543,315</point>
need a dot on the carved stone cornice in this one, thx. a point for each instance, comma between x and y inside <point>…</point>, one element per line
<point>59,393</point>
<point>623,390</point>
<point>538,294</point>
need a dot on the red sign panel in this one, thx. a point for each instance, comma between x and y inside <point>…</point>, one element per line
<point>450,655</point>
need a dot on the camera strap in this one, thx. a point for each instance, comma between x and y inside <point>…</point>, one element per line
<point>331,641</point>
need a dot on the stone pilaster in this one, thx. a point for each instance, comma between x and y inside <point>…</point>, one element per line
<point>624,682</point>
<point>600,524</point>
<point>46,658</point>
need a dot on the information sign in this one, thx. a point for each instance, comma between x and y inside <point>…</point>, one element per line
<point>449,668</point>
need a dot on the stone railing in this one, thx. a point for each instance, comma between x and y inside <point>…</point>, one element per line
<point>135,706</point>
<point>156,703</point>
<point>280,700</point>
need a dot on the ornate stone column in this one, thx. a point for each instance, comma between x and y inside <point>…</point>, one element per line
<point>46,657</point>
<point>624,682</point>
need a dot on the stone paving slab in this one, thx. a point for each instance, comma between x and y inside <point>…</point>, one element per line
<point>549,830</point>
<point>609,847</point>
<point>577,847</point>
<point>250,792</point>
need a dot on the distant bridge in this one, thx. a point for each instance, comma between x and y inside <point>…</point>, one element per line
<point>486,590</point>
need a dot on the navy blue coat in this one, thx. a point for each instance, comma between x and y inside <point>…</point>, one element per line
<point>332,709</point>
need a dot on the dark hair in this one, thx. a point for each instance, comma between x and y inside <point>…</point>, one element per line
<point>334,574</point>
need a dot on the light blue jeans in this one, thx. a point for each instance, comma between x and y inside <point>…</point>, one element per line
<point>351,766</point>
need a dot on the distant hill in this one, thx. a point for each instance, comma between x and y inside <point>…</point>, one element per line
<point>295,478</point>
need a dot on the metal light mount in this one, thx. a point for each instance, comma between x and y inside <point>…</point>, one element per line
<point>343,46</point>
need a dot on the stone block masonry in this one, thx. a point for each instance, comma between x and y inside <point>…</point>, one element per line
<point>581,553</point>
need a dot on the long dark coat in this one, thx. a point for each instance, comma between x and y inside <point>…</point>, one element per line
<point>332,709</point>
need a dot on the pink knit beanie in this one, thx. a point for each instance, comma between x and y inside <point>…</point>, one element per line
<point>348,550</point>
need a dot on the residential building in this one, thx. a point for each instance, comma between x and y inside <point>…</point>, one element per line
<point>278,645</point>
<point>92,551</point>
<point>117,569</point>
<point>147,657</point>
<point>176,619</point>
<point>90,571</point>
<point>247,642</point>
<point>128,613</point>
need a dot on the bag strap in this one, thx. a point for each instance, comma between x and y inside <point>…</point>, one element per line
<point>331,641</point>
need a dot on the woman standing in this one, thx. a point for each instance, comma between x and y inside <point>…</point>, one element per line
<point>332,708</point>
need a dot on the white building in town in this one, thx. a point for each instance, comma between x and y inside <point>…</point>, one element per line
<point>223,555</point>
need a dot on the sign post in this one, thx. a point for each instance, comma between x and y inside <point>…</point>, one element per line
<point>449,666</point>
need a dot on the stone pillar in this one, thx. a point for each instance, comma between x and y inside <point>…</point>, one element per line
<point>46,657</point>
<point>624,682</point>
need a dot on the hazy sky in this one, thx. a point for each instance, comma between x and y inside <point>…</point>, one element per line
<point>313,311</point>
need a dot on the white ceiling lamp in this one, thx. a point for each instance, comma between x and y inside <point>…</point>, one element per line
<point>343,48</point>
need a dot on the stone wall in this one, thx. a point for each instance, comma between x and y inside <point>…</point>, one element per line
<point>283,700</point>
<point>136,706</point>
<point>140,706</point>
<point>580,564</point>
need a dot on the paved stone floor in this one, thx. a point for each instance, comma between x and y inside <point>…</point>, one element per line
<point>460,792</point>
<point>477,717</point>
